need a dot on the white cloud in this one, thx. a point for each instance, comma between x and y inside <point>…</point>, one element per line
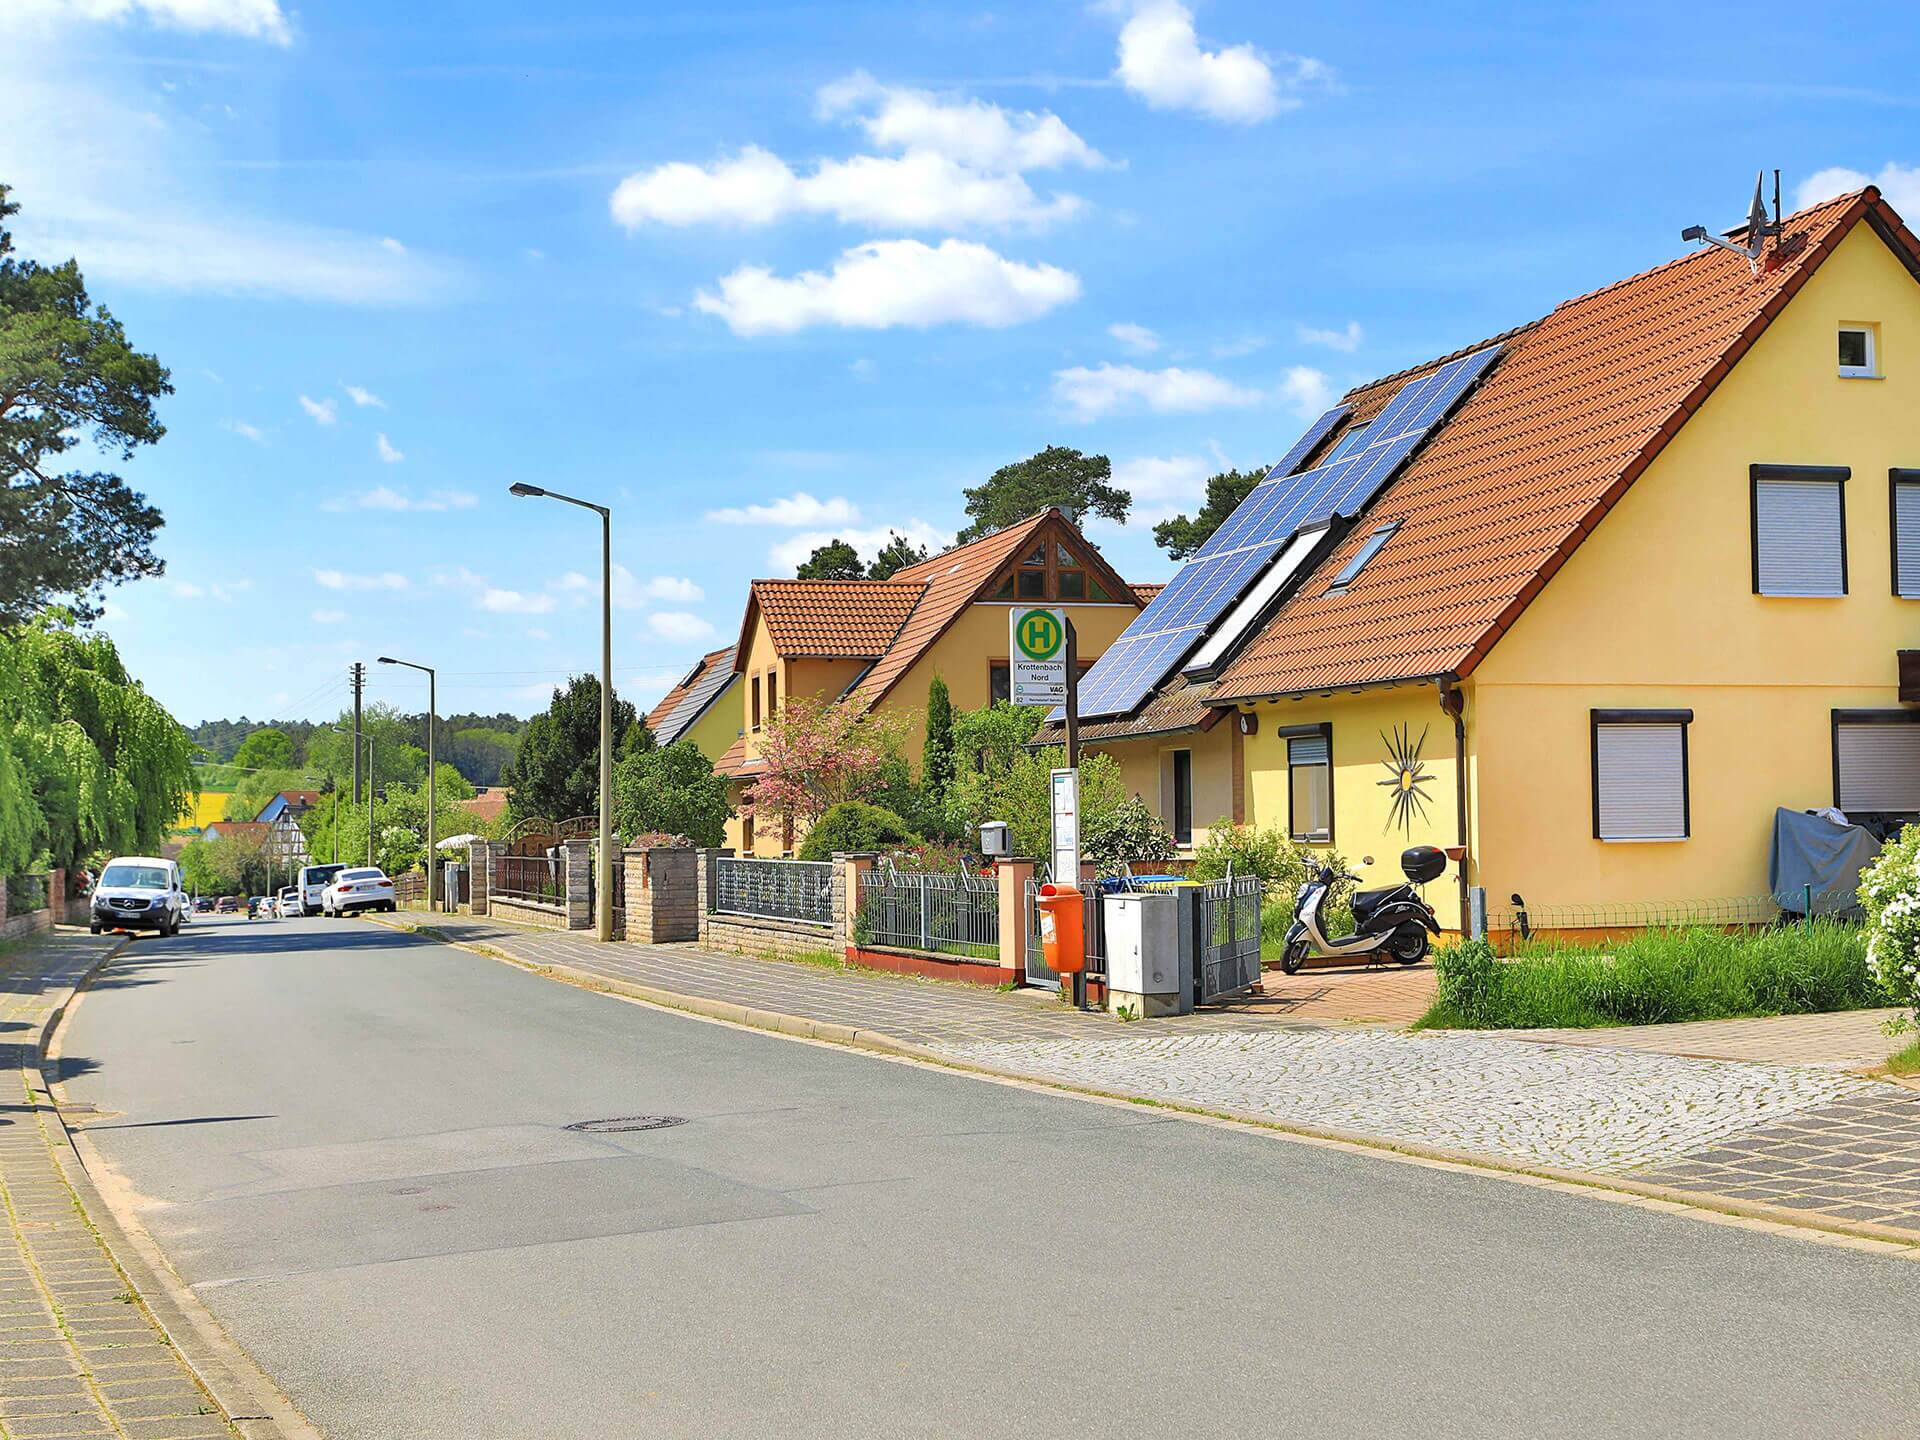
<point>646,688</point>
<point>321,412</point>
<point>675,588</point>
<point>796,509</point>
<point>363,398</point>
<point>629,591</point>
<point>1136,338</point>
<point>679,625</point>
<point>246,431</point>
<point>392,246</point>
<point>186,590</point>
<point>1161,61</point>
<point>1899,184</point>
<point>1346,341</point>
<point>887,283</point>
<point>1163,485</point>
<point>329,617</point>
<point>382,497</point>
<point>386,451</point>
<point>971,132</point>
<point>1233,349</point>
<point>917,191</point>
<point>1306,391</point>
<point>344,580</point>
<point>514,602</point>
<point>788,554</point>
<point>252,19</point>
<point>1089,394</point>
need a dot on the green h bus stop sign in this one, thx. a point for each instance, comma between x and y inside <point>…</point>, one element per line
<point>1037,650</point>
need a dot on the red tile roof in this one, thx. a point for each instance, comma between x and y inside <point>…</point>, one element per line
<point>836,619</point>
<point>306,798</point>
<point>489,802</point>
<point>686,702</point>
<point>1573,412</point>
<point>1144,593</point>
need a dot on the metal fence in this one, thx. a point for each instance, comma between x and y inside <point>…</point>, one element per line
<point>1229,958</point>
<point>619,872</point>
<point>954,914</point>
<point>774,889</point>
<point>1093,929</point>
<point>536,879</point>
<point>1523,920</point>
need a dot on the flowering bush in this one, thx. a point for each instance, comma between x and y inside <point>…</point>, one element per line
<point>1890,892</point>
<point>821,752</point>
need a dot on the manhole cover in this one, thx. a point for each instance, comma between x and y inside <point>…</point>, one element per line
<point>627,1122</point>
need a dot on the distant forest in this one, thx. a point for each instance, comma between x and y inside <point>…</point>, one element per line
<point>478,746</point>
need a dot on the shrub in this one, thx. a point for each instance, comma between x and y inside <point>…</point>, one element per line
<point>854,825</point>
<point>1890,892</point>
<point>1130,833</point>
<point>1658,977</point>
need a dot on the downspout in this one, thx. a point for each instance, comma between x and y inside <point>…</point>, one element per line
<point>1453,700</point>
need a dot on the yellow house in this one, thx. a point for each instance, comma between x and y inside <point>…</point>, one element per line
<point>879,643</point>
<point>699,709</point>
<point>1644,574</point>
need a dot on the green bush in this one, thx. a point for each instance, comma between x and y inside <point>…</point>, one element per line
<point>1655,978</point>
<point>854,825</point>
<point>1128,834</point>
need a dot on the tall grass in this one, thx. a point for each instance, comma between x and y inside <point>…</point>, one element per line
<point>1655,978</point>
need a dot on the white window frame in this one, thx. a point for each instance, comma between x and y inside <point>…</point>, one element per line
<point>1323,733</point>
<point>1807,475</point>
<point>1868,371</point>
<point>1682,720</point>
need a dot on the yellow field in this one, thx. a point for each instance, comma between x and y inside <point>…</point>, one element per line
<point>211,806</point>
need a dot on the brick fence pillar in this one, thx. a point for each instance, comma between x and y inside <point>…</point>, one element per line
<point>576,868</point>
<point>1013,876</point>
<point>480,857</point>
<point>57,896</point>
<point>674,881</point>
<point>850,869</point>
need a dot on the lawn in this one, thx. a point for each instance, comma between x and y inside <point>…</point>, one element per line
<point>1657,977</point>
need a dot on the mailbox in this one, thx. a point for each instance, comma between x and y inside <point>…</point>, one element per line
<point>1062,944</point>
<point>993,840</point>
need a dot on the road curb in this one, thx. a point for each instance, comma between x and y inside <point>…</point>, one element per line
<point>252,1403</point>
<point>802,1027</point>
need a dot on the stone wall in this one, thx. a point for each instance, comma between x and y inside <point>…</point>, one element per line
<point>663,895</point>
<point>752,935</point>
<point>576,866</point>
<point>12,927</point>
<point>522,912</point>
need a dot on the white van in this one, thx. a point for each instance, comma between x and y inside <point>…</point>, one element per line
<point>314,880</point>
<point>139,892</point>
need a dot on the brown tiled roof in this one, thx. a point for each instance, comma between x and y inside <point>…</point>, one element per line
<point>836,619</point>
<point>736,765</point>
<point>308,798</point>
<point>488,803</point>
<point>1577,407</point>
<point>1144,593</point>
<point>1178,705</point>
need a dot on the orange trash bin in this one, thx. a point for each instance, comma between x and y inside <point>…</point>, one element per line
<point>1062,943</point>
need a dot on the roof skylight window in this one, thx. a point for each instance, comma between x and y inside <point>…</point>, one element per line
<point>1369,548</point>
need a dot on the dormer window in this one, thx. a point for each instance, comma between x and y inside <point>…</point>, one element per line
<point>1858,357</point>
<point>1369,548</point>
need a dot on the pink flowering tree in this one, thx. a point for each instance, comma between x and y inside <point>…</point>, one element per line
<point>819,752</point>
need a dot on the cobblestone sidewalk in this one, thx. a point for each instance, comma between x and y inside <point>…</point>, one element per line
<point>79,1356</point>
<point>1802,1136</point>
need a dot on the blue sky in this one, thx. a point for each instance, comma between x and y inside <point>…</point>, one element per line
<point>757,274</point>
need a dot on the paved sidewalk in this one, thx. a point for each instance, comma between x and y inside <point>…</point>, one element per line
<point>1804,1137</point>
<point>79,1355</point>
<point>1844,1040</point>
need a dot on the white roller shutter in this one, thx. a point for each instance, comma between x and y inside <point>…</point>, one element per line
<point>1879,766</point>
<point>1798,537</point>
<point>1640,774</point>
<point>1906,537</point>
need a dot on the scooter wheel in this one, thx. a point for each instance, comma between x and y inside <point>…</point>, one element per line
<point>1292,956</point>
<point>1409,947</point>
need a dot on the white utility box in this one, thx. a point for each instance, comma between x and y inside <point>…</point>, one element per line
<point>1143,953</point>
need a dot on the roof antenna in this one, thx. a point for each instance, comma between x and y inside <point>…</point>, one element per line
<point>1757,227</point>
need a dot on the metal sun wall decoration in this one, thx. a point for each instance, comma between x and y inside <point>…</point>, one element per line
<point>1407,777</point>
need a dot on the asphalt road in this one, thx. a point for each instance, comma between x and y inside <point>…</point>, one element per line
<point>352,1145</point>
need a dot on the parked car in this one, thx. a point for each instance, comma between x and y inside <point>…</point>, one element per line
<point>204,904</point>
<point>288,906</point>
<point>138,892</point>
<point>226,905</point>
<point>364,888</point>
<point>260,907</point>
<point>313,880</point>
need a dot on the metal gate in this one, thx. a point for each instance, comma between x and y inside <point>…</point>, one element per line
<point>1093,927</point>
<point>619,891</point>
<point>1229,939</point>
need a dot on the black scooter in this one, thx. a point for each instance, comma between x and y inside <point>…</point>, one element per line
<point>1396,922</point>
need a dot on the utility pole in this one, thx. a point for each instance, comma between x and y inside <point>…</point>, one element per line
<point>357,673</point>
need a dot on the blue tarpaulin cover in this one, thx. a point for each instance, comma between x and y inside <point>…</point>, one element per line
<point>1813,851</point>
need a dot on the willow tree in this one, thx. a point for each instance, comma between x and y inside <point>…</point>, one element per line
<point>99,765</point>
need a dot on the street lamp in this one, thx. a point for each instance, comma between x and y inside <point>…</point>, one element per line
<point>603,878</point>
<point>433,870</point>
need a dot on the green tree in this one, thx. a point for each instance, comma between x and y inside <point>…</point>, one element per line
<point>556,772</point>
<point>936,758</point>
<point>835,560</point>
<point>481,753</point>
<point>257,787</point>
<point>68,378</point>
<point>898,553</point>
<point>1001,775</point>
<point>1182,535</point>
<point>1078,484</point>
<point>671,790</point>
<point>268,749</point>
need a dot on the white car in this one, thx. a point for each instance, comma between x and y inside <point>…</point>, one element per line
<point>138,892</point>
<point>361,888</point>
<point>313,880</point>
<point>288,904</point>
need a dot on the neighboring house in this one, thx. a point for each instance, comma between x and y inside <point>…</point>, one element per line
<point>254,830</point>
<point>286,842</point>
<point>700,709</point>
<point>1655,575</point>
<point>879,643</point>
<point>488,803</point>
<point>297,801</point>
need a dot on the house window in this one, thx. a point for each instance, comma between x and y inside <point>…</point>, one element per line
<point>1347,443</point>
<point>1799,529</point>
<point>1032,584</point>
<point>1858,359</point>
<point>746,833</point>
<point>1369,548</point>
<point>1310,782</point>
<point>754,723</point>
<point>1180,776</point>
<point>1050,571</point>
<point>773,693</point>
<point>999,682</point>
<point>1904,521</point>
<point>1876,762</point>
<point>1640,774</point>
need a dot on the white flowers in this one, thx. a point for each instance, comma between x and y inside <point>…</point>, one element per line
<point>1890,891</point>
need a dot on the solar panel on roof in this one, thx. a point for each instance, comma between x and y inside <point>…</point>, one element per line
<point>1236,554</point>
<point>1304,446</point>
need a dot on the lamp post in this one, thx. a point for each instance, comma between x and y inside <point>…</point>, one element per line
<point>603,877</point>
<point>433,870</point>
